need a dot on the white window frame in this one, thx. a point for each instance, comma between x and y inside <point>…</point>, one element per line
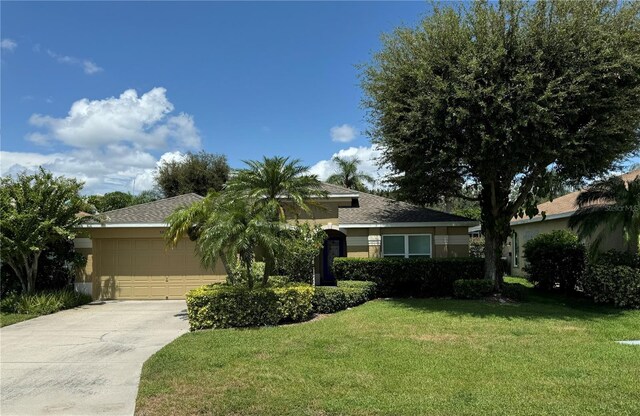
<point>406,245</point>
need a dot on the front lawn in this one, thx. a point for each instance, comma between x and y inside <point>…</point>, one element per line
<point>13,318</point>
<point>408,356</point>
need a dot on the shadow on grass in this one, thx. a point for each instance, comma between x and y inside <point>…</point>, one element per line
<point>537,306</point>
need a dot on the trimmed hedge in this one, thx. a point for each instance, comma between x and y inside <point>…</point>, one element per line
<point>555,259</point>
<point>410,277</point>
<point>226,306</point>
<point>472,289</point>
<point>514,291</point>
<point>294,302</point>
<point>330,299</point>
<point>614,278</point>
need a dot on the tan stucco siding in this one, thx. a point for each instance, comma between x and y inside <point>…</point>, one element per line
<point>357,251</point>
<point>527,231</point>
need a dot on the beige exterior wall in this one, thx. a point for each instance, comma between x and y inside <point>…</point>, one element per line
<point>445,241</point>
<point>527,231</point>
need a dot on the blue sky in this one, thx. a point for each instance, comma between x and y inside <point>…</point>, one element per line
<point>242,79</point>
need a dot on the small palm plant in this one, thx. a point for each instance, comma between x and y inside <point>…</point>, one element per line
<point>608,205</point>
<point>228,229</point>
<point>348,174</point>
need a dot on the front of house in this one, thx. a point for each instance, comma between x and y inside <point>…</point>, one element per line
<point>127,257</point>
<point>557,213</point>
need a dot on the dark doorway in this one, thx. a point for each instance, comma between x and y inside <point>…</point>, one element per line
<point>334,246</point>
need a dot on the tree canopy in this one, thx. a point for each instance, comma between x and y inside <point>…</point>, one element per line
<point>37,211</point>
<point>494,96</point>
<point>198,172</point>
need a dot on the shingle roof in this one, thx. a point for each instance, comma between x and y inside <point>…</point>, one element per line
<point>150,213</point>
<point>337,190</point>
<point>370,209</point>
<point>566,204</point>
<point>374,209</point>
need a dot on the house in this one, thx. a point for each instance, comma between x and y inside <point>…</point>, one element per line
<point>557,213</point>
<point>127,257</point>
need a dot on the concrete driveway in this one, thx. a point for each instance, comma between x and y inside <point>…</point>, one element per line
<point>84,361</point>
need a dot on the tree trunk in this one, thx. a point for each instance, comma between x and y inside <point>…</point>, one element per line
<point>20,274</point>
<point>269,265</point>
<point>495,226</point>
<point>249,275</point>
<point>31,271</point>
<point>492,250</point>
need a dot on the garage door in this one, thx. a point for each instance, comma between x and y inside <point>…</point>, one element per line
<point>144,268</point>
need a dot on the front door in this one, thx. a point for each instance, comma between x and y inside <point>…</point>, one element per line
<point>333,247</point>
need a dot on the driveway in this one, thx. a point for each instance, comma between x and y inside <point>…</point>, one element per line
<point>84,361</point>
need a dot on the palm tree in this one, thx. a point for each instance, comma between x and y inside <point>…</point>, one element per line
<point>608,205</point>
<point>227,229</point>
<point>277,184</point>
<point>348,175</point>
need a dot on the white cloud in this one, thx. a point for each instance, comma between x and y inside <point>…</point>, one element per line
<point>87,65</point>
<point>112,144</point>
<point>368,157</point>
<point>141,120</point>
<point>7,44</point>
<point>343,134</point>
<point>113,168</point>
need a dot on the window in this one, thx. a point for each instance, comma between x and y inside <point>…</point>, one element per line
<point>516,249</point>
<point>410,245</point>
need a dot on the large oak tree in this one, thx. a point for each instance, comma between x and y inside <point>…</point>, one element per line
<point>495,96</point>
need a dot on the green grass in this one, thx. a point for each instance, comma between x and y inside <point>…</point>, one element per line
<point>547,356</point>
<point>13,318</point>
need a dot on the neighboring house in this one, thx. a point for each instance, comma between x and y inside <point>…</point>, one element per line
<point>128,259</point>
<point>557,213</point>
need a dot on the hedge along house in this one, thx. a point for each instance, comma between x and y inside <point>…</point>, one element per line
<point>557,213</point>
<point>127,256</point>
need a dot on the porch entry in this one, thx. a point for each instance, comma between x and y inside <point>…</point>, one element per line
<point>334,246</point>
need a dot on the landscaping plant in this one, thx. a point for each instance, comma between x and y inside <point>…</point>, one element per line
<point>555,259</point>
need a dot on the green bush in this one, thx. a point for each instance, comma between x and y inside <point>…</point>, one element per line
<point>410,277</point>
<point>43,303</point>
<point>330,299</point>
<point>555,259</point>
<point>514,291</point>
<point>613,279</point>
<point>226,306</point>
<point>472,289</point>
<point>295,302</point>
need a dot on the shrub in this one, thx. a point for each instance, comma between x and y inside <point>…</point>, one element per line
<point>555,259</point>
<point>410,277</point>
<point>294,302</point>
<point>299,250</point>
<point>514,291</point>
<point>43,303</point>
<point>227,306</point>
<point>330,299</point>
<point>472,289</point>
<point>613,279</point>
